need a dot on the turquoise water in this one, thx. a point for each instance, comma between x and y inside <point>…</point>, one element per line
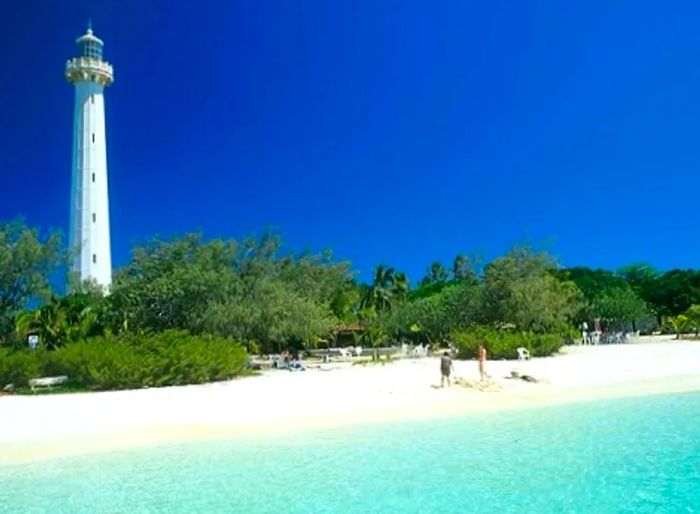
<point>634,455</point>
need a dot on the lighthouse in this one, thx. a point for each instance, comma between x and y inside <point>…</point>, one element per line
<point>89,203</point>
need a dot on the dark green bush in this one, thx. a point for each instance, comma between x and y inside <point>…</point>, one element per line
<point>503,344</point>
<point>167,358</point>
<point>18,366</point>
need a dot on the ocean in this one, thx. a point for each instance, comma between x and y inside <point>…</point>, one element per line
<point>634,455</point>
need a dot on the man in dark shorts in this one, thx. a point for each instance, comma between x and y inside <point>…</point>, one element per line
<point>445,369</point>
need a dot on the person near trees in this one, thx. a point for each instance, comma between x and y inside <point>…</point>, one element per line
<point>482,361</point>
<point>446,369</point>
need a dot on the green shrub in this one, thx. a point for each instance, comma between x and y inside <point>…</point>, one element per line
<point>254,348</point>
<point>167,358</point>
<point>18,366</point>
<point>103,363</point>
<point>503,344</point>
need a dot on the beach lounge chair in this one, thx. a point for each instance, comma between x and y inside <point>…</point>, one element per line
<point>523,354</point>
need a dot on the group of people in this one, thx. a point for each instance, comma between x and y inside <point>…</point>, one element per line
<point>291,361</point>
<point>447,367</point>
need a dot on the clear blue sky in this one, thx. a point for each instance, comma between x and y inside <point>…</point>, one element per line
<point>399,132</point>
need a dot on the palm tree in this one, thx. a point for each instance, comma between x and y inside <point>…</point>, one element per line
<point>59,321</point>
<point>681,324</point>
<point>379,293</point>
<point>437,273</point>
<point>400,286</point>
<point>693,315</point>
<point>48,322</point>
<point>387,287</point>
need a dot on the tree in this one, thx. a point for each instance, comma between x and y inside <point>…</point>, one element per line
<point>428,290</point>
<point>400,288</point>
<point>61,321</point>
<point>620,306</point>
<point>170,284</point>
<point>681,324</point>
<point>272,313</point>
<point>541,304</point>
<point>463,269</point>
<point>675,291</point>
<point>521,289</point>
<point>387,288</point>
<point>27,263</point>
<point>346,301</point>
<point>282,299</point>
<point>318,278</point>
<point>373,336</point>
<point>693,315</point>
<point>591,282</point>
<point>249,291</point>
<point>437,273</point>
<point>457,305</point>
<point>642,279</point>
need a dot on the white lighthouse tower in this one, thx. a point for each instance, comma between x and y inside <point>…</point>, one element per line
<point>89,204</point>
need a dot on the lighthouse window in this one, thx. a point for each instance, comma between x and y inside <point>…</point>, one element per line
<point>92,49</point>
<point>93,177</point>
<point>93,137</point>
<point>94,258</point>
<point>94,217</point>
<point>92,99</point>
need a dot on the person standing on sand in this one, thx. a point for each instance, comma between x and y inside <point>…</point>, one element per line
<point>482,360</point>
<point>446,369</point>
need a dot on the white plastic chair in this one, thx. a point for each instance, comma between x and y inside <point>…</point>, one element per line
<point>523,354</point>
<point>345,353</point>
<point>358,351</point>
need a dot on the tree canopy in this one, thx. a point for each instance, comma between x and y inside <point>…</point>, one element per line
<point>262,295</point>
<point>27,264</point>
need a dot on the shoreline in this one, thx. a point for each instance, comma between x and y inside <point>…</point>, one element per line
<point>275,403</point>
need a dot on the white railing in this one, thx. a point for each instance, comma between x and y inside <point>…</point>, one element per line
<point>89,64</point>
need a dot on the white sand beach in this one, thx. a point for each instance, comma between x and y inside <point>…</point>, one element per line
<point>278,401</point>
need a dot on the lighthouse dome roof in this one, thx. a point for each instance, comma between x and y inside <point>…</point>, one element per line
<point>89,37</point>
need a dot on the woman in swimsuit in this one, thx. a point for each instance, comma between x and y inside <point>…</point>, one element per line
<point>482,360</point>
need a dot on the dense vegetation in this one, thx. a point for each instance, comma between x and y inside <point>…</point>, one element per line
<point>107,362</point>
<point>186,300</point>
<point>503,344</point>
